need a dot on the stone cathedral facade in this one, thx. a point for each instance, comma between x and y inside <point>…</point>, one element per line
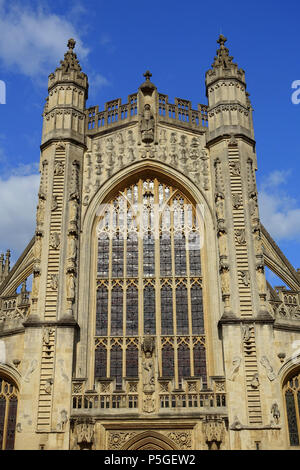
<point>150,324</point>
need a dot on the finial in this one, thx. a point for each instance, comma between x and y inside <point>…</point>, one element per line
<point>221,40</point>
<point>147,75</point>
<point>71,44</point>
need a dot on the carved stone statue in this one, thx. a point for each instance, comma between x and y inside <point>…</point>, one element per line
<point>148,372</point>
<point>275,413</point>
<point>270,372</point>
<point>236,362</point>
<point>54,240</point>
<point>70,286</point>
<point>147,125</point>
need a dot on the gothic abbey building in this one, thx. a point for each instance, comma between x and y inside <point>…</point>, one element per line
<point>150,324</point>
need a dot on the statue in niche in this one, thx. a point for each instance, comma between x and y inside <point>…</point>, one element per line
<point>147,125</point>
<point>74,186</point>
<point>37,249</point>
<point>71,287</point>
<point>40,213</point>
<point>253,208</point>
<point>131,154</point>
<point>148,364</point>
<point>183,141</point>
<point>258,243</point>
<point>73,216</point>
<point>130,138</point>
<point>72,254</point>
<point>163,139</point>
<point>260,270</point>
<point>220,207</point>
<point>148,372</point>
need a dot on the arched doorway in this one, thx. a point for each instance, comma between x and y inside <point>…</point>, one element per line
<point>8,412</point>
<point>149,440</point>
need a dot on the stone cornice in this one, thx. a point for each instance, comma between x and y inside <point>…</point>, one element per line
<point>34,322</point>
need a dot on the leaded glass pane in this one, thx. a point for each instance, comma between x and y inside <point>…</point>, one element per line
<point>200,362</point>
<point>292,419</point>
<point>168,361</point>
<point>132,311</point>
<point>166,296</point>
<point>116,364</point>
<point>103,255</point>
<point>197,310</point>
<point>182,310</point>
<point>180,254</point>
<point>165,255</point>
<point>132,361</point>
<point>117,311</point>
<point>148,252</point>
<point>102,311</point>
<point>100,362</point>
<point>149,310</point>
<point>132,255</point>
<point>117,255</point>
<point>194,254</point>
<point>184,368</point>
<point>11,423</point>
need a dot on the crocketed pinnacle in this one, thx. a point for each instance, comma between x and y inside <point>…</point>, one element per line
<point>223,59</point>
<point>70,61</point>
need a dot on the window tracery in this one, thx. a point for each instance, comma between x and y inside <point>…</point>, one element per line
<point>149,281</point>
<point>291,392</point>
<point>8,413</point>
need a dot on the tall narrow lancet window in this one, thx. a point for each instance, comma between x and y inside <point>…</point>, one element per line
<point>8,413</point>
<point>291,390</point>
<point>149,282</point>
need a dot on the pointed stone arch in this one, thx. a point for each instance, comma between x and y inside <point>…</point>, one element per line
<point>88,250</point>
<point>150,440</point>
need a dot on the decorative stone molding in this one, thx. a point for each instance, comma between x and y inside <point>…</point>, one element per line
<point>214,431</point>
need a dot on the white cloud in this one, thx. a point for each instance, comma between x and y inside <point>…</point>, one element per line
<point>18,201</point>
<point>33,41</point>
<point>279,212</point>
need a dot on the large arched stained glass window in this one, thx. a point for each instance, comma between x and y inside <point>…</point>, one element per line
<point>8,413</point>
<point>149,282</point>
<point>291,392</point>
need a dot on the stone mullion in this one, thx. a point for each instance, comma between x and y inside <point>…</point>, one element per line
<point>174,293</point>
<point>140,259</point>
<point>244,287</point>
<point>156,234</point>
<point>188,286</point>
<point>109,287</point>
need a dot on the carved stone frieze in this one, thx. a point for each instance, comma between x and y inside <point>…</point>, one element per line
<point>182,439</point>
<point>117,439</point>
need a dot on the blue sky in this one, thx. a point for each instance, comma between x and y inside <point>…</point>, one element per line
<point>116,42</point>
